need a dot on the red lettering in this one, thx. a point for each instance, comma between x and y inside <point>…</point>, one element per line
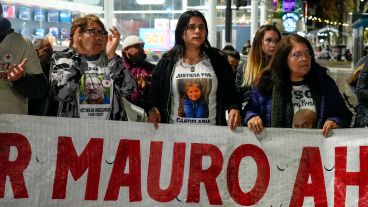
<point>310,165</point>
<point>154,172</point>
<point>126,149</point>
<point>14,169</point>
<point>67,159</point>
<point>263,175</point>
<point>343,178</point>
<point>208,176</point>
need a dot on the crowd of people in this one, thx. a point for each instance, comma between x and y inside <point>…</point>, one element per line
<point>279,85</point>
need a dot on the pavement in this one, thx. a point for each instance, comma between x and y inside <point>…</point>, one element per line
<point>340,71</point>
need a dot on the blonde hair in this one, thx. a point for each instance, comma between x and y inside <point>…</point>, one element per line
<point>257,59</point>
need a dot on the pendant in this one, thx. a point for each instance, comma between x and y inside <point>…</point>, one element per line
<point>192,69</point>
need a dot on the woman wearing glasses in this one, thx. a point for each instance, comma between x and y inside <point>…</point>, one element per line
<point>90,56</point>
<point>295,92</point>
<point>263,47</point>
<point>192,60</point>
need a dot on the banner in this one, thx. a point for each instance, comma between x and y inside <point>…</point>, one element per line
<point>47,161</point>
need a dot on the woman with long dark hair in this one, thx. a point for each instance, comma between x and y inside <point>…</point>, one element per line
<point>192,59</point>
<point>295,91</point>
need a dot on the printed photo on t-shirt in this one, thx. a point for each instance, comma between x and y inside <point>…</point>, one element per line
<point>94,90</point>
<point>304,118</point>
<point>193,97</point>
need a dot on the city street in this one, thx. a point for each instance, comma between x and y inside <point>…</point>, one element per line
<point>340,71</point>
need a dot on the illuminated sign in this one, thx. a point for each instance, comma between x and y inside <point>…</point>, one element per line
<point>289,5</point>
<point>157,39</point>
<point>289,21</point>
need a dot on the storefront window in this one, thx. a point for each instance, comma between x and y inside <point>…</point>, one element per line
<point>49,19</point>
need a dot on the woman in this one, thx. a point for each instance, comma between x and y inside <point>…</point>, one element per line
<point>91,55</point>
<point>294,91</point>
<point>361,91</point>
<point>263,47</point>
<point>192,59</point>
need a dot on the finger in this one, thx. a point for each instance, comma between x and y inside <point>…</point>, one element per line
<point>23,63</point>
<point>231,121</point>
<point>155,124</point>
<point>325,130</point>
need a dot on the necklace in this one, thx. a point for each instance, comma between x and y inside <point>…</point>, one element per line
<point>189,65</point>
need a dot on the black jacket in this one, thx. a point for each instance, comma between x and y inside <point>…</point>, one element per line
<point>159,94</point>
<point>362,95</point>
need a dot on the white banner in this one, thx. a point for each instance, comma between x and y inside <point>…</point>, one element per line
<point>47,161</point>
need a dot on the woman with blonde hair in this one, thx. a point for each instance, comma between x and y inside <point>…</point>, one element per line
<point>263,46</point>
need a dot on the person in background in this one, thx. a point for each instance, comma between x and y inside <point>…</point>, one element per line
<point>295,85</point>
<point>91,54</point>
<point>246,48</point>
<point>233,57</point>
<point>192,59</point>
<point>21,75</point>
<point>361,91</point>
<point>134,60</point>
<point>44,52</point>
<point>264,45</point>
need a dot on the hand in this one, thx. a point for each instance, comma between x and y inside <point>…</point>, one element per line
<point>112,42</point>
<point>234,119</point>
<point>255,124</point>
<point>154,117</point>
<point>327,126</point>
<point>141,82</point>
<point>15,72</point>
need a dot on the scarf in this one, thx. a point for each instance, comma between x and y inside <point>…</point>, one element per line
<point>282,110</point>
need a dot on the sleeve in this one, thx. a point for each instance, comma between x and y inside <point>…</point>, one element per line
<point>362,85</point>
<point>338,111</point>
<point>124,80</point>
<point>231,98</point>
<point>34,83</point>
<point>153,94</point>
<point>253,106</point>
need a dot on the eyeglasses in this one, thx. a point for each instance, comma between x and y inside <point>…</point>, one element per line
<point>92,85</point>
<point>299,55</point>
<point>272,41</point>
<point>193,27</point>
<point>94,32</point>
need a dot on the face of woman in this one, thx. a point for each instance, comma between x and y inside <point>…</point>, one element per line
<point>195,33</point>
<point>299,61</point>
<point>93,39</point>
<point>270,41</point>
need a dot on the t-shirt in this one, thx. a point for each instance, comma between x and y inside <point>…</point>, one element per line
<point>13,49</point>
<point>95,90</point>
<point>193,93</point>
<point>304,106</point>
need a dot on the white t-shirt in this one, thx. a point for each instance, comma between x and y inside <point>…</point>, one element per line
<point>95,90</point>
<point>13,49</point>
<point>304,106</point>
<point>193,91</point>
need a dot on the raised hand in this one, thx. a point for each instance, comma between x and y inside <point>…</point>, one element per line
<point>112,42</point>
<point>15,72</point>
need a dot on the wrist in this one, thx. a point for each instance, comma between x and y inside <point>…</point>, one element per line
<point>153,110</point>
